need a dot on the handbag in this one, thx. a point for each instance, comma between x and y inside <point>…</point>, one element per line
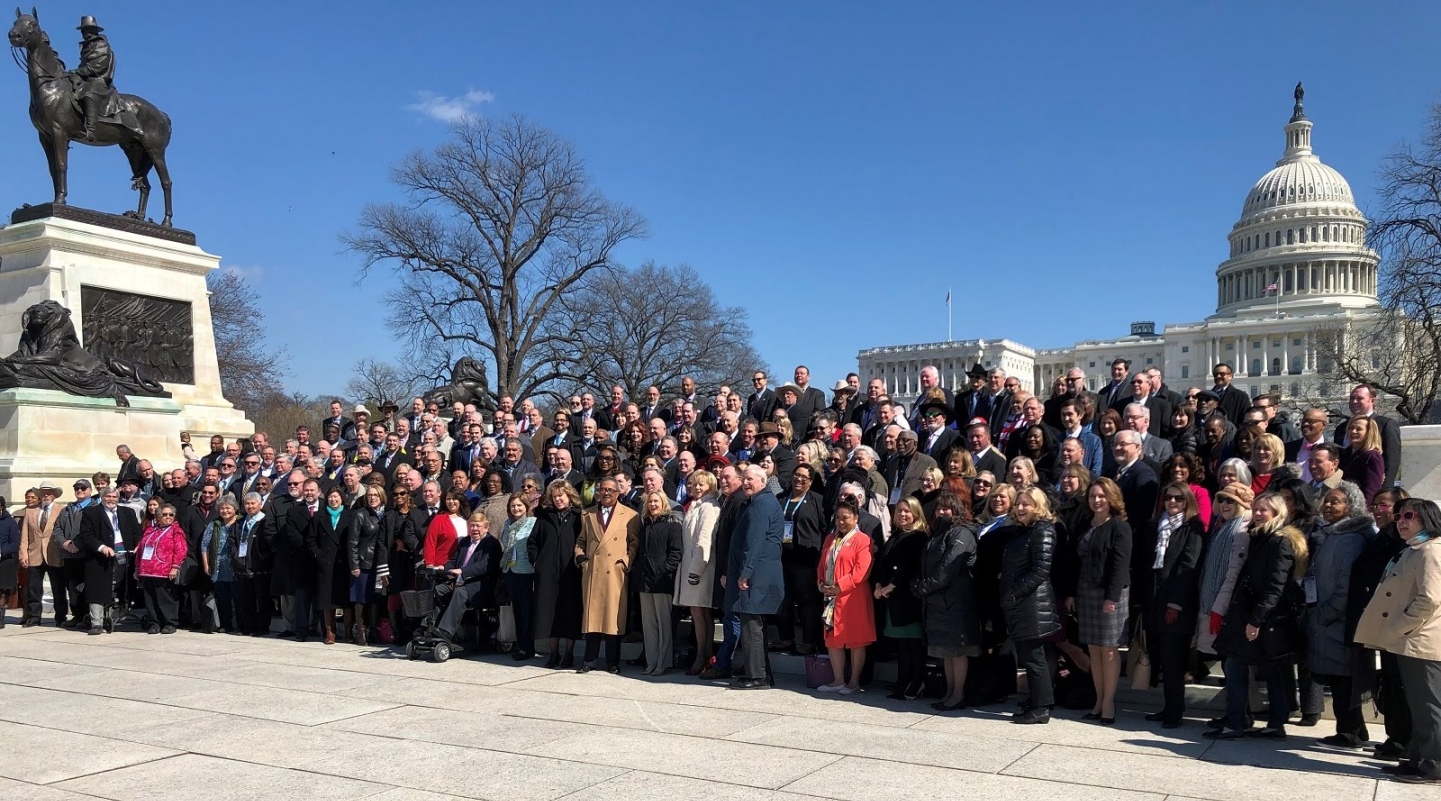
<point>819,671</point>
<point>505,625</point>
<point>1138,659</point>
<point>189,573</point>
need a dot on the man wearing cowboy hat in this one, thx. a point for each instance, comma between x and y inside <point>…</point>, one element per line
<point>975,401</point>
<point>40,555</point>
<point>843,403</point>
<point>935,436</point>
<point>768,440</point>
<point>94,78</point>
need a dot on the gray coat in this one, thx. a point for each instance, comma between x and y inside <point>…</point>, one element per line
<point>1335,548</point>
<point>947,591</point>
<point>755,555</point>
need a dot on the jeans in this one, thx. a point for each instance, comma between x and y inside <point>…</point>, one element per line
<point>1238,693</point>
<point>1031,657</point>
<point>521,587</point>
<point>223,599</point>
<point>730,639</point>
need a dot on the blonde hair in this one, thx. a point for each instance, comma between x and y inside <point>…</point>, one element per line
<point>918,515</point>
<point>999,489</point>
<point>1025,464</point>
<point>705,481</point>
<point>1038,499</point>
<point>1372,440</point>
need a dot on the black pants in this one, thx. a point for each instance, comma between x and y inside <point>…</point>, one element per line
<point>35,593</point>
<point>1393,701</point>
<point>990,678</point>
<point>801,608</point>
<point>910,662</point>
<point>612,648</point>
<point>74,572</point>
<point>459,598</point>
<point>1172,651</point>
<point>752,648</point>
<point>252,604</point>
<point>162,598</point>
<point>521,587</point>
<point>1423,693</point>
<point>1031,657</point>
<point>1350,721</point>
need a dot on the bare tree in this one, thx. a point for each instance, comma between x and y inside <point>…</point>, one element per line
<point>1399,352</point>
<point>653,325</point>
<point>499,224</point>
<point>250,370</point>
<point>379,382</point>
<point>278,413</point>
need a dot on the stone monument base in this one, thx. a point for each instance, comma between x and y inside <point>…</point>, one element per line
<point>54,437</point>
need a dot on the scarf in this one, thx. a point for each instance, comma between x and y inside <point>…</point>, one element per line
<point>1218,559</point>
<point>1163,537</point>
<point>516,531</point>
<point>828,616</point>
<point>334,516</point>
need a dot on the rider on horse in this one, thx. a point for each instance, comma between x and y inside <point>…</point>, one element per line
<point>94,77</point>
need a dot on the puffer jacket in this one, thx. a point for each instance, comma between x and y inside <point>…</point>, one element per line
<point>1337,547</point>
<point>946,588</point>
<point>660,552</point>
<point>1268,595</point>
<point>1027,599</point>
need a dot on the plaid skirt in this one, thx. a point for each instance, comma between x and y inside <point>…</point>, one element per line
<point>1095,627</point>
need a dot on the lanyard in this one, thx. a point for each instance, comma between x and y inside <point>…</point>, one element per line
<point>790,511</point>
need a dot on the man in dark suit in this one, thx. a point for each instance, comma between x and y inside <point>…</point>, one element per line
<point>605,417</point>
<point>1363,404</point>
<point>1159,407</point>
<point>1000,399</point>
<point>975,401</point>
<point>983,454</point>
<point>930,386</point>
<point>935,437</point>
<point>652,407</point>
<point>1118,388</point>
<point>562,469</point>
<point>768,440</point>
<point>465,452</point>
<point>760,402</point>
<point>1139,490</point>
<point>1233,403</point>
<point>810,401</point>
<point>1158,387</point>
<point>129,463</point>
<point>1031,413</point>
<point>338,419</point>
<point>475,564</point>
<point>106,529</point>
<point>1313,433</point>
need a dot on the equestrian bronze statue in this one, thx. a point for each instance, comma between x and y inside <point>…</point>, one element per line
<point>81,105</point>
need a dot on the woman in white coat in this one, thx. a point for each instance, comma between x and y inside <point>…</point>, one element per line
<point>695,579</point>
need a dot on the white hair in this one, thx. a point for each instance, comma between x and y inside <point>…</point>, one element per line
<point>1145,410</point>
<point>1128,437</point>
<point>757,472</point>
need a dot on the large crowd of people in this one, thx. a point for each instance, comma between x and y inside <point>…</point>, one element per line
<point>989,541</point>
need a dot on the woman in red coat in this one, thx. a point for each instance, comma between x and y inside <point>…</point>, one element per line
<point>850,616</point>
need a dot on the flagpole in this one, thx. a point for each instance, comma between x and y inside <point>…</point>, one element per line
<point>948,314</point>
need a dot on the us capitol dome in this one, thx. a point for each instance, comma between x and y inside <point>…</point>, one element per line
<point>1298,262</point>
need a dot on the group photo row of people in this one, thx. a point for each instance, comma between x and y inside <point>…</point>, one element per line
<point>993,544</point>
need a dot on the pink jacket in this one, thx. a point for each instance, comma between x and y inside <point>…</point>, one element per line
<point>161,550</point>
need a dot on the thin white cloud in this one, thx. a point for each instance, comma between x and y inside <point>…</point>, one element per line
<point>252,273</point>
<point>451,109</point>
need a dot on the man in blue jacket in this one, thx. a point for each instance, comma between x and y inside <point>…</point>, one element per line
<point>754,567</point>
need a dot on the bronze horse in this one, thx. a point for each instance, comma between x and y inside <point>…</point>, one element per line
<point>139,128</point>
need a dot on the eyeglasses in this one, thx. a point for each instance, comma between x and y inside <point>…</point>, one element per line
<point>1225,499</point>
<point>1408,515</point>
<point>166,514</point>
<point>295,483</point>
<point>1175,497</point>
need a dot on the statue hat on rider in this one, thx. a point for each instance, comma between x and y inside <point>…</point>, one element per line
<point>88,23</point>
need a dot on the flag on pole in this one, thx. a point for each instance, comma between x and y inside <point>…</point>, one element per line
<point>948,297</point>
<point>1271,287</point>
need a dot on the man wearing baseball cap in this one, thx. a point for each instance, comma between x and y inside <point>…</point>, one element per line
<point>67,527</point>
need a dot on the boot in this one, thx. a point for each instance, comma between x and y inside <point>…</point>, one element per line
<point>90,107</point>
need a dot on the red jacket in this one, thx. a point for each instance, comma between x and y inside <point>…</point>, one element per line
<point>161,550</point>
<point>440,539</point>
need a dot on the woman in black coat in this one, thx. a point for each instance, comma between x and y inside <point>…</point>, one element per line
<point>1383,685</point>
<point>899,618</point>
<point>1027,599</point>
<point>1262,627</point>
<point>654,577</point>
<point>325,540</point>
<point>947,592</point>
<point>1175,594</point>
<point>801,538</point>
<point>9,556</point>
<point>367,551</point>
<point>551,547</point>
<point>405,540</point>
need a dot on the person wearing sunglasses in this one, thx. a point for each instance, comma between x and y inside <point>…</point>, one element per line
<point>1404,618</point>
<point>1366,576</point>
<point>1171,611</point>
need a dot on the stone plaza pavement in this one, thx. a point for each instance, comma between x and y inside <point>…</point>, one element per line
<point>142,717</point>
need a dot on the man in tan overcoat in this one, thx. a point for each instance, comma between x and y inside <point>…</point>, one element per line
<point>607,546</point>
<point>40,556</point>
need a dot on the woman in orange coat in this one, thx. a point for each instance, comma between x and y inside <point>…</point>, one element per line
<point>850,616</point>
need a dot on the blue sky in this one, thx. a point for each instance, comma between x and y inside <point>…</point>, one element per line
<point>1065,168</point>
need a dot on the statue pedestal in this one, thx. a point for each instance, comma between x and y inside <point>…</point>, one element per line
<point>55,437</point>
<point>132,296</point>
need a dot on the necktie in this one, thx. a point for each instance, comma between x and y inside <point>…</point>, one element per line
<point>44,516</point>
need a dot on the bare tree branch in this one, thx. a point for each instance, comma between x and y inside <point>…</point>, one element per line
<point>250,371</point>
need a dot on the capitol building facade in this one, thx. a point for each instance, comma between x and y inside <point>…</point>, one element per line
<point>1298,263</point>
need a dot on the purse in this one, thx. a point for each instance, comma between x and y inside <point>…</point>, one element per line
<point>189,573</point>
<point>819,671</point>
<point>1138,659</point>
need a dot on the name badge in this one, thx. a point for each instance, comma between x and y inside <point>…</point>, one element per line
<point>149,553</point>
<point>788,536</point>
<point>1309,585</point>
<point>895,495</point>
<point>244,548</point>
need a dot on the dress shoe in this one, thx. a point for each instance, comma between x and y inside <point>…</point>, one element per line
<point>637,662</point>
<point>1107,721</point>
<point>153,629</point>
<point>750,684</point>
<point>1033,716</point>
<point>29,623</point>
<point>1226,734</point>
<point>96,631</point>
<point>1171,724</point>
<point>1389,750</point>
<point>584,669</point>
<point>552,660</point>
<point>941,706</point>
<point>109,624</point>
<point>168,630</point>
<point>1097,716</point>
<point>286,634</point>
<point>712,673</point>
<point>612,668</point>
<point>781,647</point>
<point>520,656</point>
<point>1270,733</point>
<point>72,623</point>
<point>1344,741</point>
<point>1418,778</point>
<point>1156,717</point>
